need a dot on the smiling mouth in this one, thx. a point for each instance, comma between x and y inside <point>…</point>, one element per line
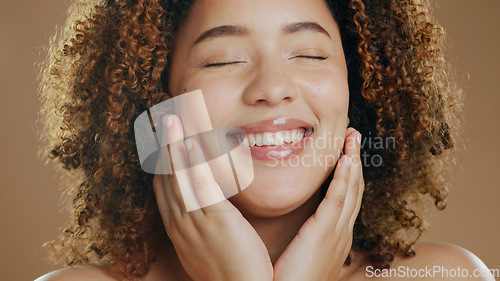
<point>272,139</point>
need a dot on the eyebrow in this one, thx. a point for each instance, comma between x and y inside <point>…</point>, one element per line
<point>305,26</point>
<point>220,31</point>
<point>238,30</point>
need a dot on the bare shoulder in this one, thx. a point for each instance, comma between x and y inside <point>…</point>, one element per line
<point>78,273</point>
<point>433,261</point>
<point>442,261</point>
<point>445,254</point>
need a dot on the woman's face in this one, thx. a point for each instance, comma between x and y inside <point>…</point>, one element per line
<point>269,66</point>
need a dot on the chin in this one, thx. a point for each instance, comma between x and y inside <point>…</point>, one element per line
<point>272,198</point>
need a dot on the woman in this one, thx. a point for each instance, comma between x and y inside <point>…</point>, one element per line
<point>265,66</point>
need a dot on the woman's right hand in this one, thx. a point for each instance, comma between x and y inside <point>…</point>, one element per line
<point>215,242</point>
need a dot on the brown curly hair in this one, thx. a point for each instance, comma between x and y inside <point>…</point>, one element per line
<point>110,62</point>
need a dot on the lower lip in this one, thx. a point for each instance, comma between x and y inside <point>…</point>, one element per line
<point>282,153</point>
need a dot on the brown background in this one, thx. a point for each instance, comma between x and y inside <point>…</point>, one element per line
<point>29,207</point>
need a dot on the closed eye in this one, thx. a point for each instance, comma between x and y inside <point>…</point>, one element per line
<point>221,63</point>
<point>312,57</point>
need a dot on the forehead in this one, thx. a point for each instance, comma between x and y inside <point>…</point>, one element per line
<point>256,15</point>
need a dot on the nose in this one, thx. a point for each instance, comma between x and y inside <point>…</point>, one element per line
<point>269,84</point>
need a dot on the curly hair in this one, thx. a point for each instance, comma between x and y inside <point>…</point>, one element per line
<point>110,62</point>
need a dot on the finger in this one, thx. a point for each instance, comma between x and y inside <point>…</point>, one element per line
<point>349,130</point>
<point>161,200</point>
<point>352,149</point>
<point>348,246</point>
<point>180,179</point>
<point>174,136</point>
<point>165,196</point>
<point>207,190</point>
<point>360,193</point>
<point>175,152</point>
<point>330,208</point>
<point>358,203</point>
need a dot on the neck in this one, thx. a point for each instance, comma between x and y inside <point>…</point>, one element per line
<point>278,232</point>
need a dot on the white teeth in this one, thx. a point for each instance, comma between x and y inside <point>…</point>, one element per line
<point>278,138</point>
<point>297,136</point>
<point>258,139</point>
<point>251,140</point>
<point>288,137</point>
<point>294,135</point>
<point>268,139</point>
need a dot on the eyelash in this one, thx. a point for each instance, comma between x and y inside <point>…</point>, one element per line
<point>222,63</point>
<point>312,57</point>
<point>225,63</point>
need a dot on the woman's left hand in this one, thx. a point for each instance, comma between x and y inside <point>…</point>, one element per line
<point>322,245</point>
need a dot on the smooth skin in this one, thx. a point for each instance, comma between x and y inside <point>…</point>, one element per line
<point>269,65</point>
<point>258,74</point>
<point>266,65</point>
<point>218,243</point>
<point>200,235</point>
<point>211,242</point>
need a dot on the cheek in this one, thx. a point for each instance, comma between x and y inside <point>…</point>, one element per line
<point>327,93</point>
<point>221,95</point>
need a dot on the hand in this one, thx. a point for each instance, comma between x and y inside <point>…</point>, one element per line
<point>215,242</point>
<point>321,246</point>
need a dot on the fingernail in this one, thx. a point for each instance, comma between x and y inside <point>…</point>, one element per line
<point>348,160</point>
<point>189,144</point>
<point>168,120</point>
<point>358,138</point>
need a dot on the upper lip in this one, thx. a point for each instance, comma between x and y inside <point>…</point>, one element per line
<point>273,125</point>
